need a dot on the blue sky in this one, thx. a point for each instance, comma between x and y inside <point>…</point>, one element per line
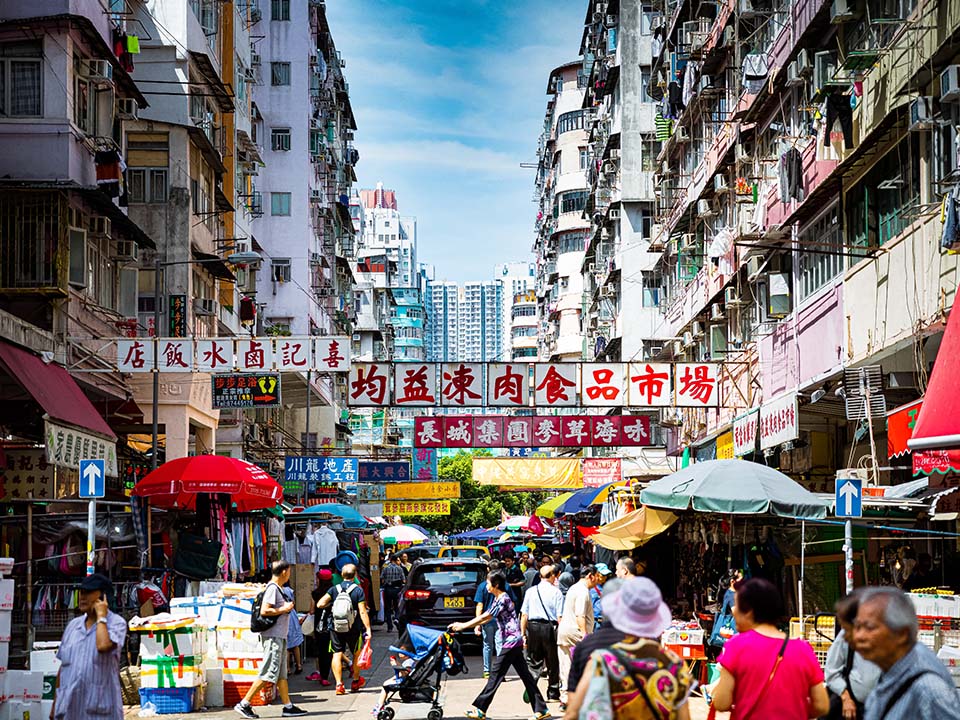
<point>449,97</point>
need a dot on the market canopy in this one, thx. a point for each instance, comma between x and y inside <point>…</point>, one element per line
<point>581,500</point>
<point>522,523</point>
<point>633,529</point>
<point>548,509</point>
<point>737,487</point>
<point>480,534</point>
<point>401,534</point>
<point>936,436</point>
<point>350,517</point>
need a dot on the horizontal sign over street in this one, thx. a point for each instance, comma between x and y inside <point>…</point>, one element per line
<point>416,507</point>
<point>258,354</point>
<point>239,390</point>
<point>498,431</point>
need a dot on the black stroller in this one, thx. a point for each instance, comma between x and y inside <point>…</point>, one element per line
<point>434,653</point>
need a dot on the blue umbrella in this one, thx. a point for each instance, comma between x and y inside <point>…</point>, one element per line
<point>580,501</point>
<point>351,518</point>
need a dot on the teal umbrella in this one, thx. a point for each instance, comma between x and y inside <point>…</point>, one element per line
<point>736,487</point>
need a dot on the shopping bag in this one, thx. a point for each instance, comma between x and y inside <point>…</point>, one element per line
<point>365,660</point>
<point>307,626</point>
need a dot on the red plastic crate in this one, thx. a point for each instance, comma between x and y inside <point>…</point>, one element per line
<point>233,692</point>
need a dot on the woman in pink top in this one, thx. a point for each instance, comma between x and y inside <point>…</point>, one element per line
<point>762,674</point>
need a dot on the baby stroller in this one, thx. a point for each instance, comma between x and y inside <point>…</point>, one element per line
<point>434,653</point>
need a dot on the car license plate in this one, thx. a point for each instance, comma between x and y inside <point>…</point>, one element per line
<point>453,602</point>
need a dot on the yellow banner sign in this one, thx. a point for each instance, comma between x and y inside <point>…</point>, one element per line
<point>515,473</point>
<point>422,490</point>
<point>428,507</point>
<point>725,446</point>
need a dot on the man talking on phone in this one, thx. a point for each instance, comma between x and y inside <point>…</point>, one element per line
<point>88,684</point>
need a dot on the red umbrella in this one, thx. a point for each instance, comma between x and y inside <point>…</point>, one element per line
<point>175,484</point>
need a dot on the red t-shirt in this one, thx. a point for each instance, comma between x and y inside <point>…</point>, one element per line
<point>750,656</point>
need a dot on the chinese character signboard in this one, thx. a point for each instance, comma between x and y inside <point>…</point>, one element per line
<point>779,421</point>
<point>424,464</point>
<point>461,384</point>
<point>598,472</point>
<point>215,355</point>
<point>649,384</point>
<point>745,433</point>
<point>508,385</point>
<point>497,431</point>
<point>422,491</point>
<point>237,390</point>
<point>293,354</point>
<point>416,507</point>
<point>319,475</point>
<point>24,474</point>
<point>369,384</point>
<point>255,355</point>
<point>174,355</point>
<point>555,384</point>
<point>66,447</point>
<point>178,316</point>
<point>415,384</point>
<point>384,471</point>
<point>602,384</point>
<point>697,385</point>
<point>367,492</point>
<point>331,354</point>
<point>135,356</point>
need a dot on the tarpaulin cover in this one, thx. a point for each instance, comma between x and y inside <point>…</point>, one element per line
<point>528,472</point>
<point>736,487</point>
<point>633,529</point>
<point>548,508</point>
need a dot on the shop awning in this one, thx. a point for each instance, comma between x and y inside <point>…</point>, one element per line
<point>900,425</point>
<point>214,265</point>
<point>548,508</point>
<point>633,529</point>
<point>937,430</point>
<point>53,389</point>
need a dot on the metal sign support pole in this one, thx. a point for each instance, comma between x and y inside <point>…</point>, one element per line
<point>91,533</point>
<point>848,554</point>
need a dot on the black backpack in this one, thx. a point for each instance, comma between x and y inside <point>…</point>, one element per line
<point>258,622</point>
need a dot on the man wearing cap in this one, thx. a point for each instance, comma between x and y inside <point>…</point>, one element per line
<point>604,573</point>
<point>638,611</point>
<point>88,684</point>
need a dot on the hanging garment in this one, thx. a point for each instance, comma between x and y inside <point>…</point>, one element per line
<point>838,108</point>
<point>951,220</point>
<point>791,176</point>
<point>754,72</point>
<point>690,79</point>
<point>675,100</point>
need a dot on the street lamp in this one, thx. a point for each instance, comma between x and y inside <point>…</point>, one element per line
<point>240,258</point>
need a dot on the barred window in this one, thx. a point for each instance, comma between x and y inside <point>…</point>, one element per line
<point>280,139</point>
<point>279,73</point>
<point>21,73</point>
<point>279,9</point>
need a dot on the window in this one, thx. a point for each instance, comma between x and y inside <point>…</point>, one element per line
<point>819,268</point>
<point>316,142</point>
<point>280,270</point>
<point>308,441</point>
<point>280,203</point>
<point>280,10</point>
<point>279,73</point>
<point>573,201</point>
<point>280,139</point>
<point>570,121</point>
<point>584,158</point>
<point>148,158</point>
<point>78,254</point>
<point>84,97</point>
<point>652,288</point>
<point>147,185</point>
<point>571,241</point>
<point>647,16</point>
<point>21,73</point>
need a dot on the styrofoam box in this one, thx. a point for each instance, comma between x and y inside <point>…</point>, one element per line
<point>185,641</point>
<point>238,642</point>
<point>6,622</point>
<point>236,612</point>
<point>46,707</point>
<point>4,656</point>
<point>183,677</point>
<point>23,685</point>
<point>243,670</point>
<point>45,661</point>
<point>214,694</point>
<point>19,710</point>
<point>206,609</point>
<point>6,594</point>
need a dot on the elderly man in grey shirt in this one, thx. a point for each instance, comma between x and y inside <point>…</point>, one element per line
<point>914,683</point>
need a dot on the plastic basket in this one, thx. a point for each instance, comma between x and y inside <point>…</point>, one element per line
<point>168,701</point>
<point>233,693</point>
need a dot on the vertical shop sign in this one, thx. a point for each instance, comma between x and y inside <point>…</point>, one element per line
<point>177,315</point>
<point>779,421</point>
<point>745,433</point>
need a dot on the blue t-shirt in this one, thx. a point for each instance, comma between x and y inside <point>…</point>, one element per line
<point>508,623</point>
<point>485,597</point>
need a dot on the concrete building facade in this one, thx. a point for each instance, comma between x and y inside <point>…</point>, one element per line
<point>517,279</point>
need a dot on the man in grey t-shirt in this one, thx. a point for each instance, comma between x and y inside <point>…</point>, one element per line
<point>274,639</point>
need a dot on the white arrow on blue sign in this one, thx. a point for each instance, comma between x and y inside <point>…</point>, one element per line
<point>849,498</point>
<point>92,475</point>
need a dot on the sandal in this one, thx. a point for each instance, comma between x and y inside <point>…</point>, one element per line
<point>313,676</point>
<point>476,714</point>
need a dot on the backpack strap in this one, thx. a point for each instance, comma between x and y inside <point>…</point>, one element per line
<point>901,691</point>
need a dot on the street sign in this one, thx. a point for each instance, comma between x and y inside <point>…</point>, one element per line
<point>92,474</point>
<point>849,496</point>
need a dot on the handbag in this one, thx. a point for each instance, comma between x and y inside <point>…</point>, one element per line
<point>712,713</point>
<point>308,625</point>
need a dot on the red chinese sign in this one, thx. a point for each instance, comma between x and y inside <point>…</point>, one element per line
<point>174,355</point>
<point>415,384</point>
<point>461,384</point>
<point>598,472</point>
<point>428,432</point>
<point>498,431</point>
<point>697,385</point>
<point>508,385</point>
<point>254,355</point>
<point>293,354</point>
<point>331,354</point>
<point>602,384</point>
<point>745,433</point>
<point>135,356</point>
<point>369,384</point>
<point>649,384</point>
<point>215,355</point>
<point>488,431</point>
<point>555,384</point>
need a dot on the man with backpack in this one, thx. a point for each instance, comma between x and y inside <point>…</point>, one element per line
<point>271,618</point>
<point>349,622</point>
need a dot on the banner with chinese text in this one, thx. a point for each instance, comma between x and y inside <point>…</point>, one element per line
<point>237,390</point>
<point>424,463</point>
<point>66,447</point>
<point>422,491</point>
<point>528,472</point>
<point>497,431</point>
<point>598,472</point>
<point>257,354</point>
<point>416,507</point>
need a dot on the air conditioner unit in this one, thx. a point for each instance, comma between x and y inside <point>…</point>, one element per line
<point>731,297</point>
<point>601,8</point>
<point>921,114</point>
<point>687,240</point>
<point>316,195</point>
<point>127,109</point>
<point>716,311</point>
<point>591,268</point>
<point>720,183</point>
<point>615,213</point>
<point>100,225</point>
<point>678,348</point>
<point>794,77</point>
<point>950,84</point>
<point>316,258</point>
<point>754,266</point>
<point>255,60</point>
<point>205,306</point>
<point>656,245</point>
<point>614,153</point>
<point>824,69</point>
<point>697,329</point>
<point>126,251</point>
<point>688,340</point>
<point>608,291</point>
<point>681,135</point>
<point>653,351</point>
<point>609,168</point>
<point>611,21</point>
<point>705,208</point>
<point>803,62</point>
<point>100,71</point>
<point>842,11</point>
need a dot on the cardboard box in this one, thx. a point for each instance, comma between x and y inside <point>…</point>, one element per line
<point>6,594</point>
<point>303,580</point>
<point>4,656</point>
<point>23,685</point>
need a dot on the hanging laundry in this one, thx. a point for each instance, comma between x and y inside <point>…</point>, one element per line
<point>754,72</point>
<point>950,239</point>
<point>690,79</point>
<point>675,100</point>
<point>838,108</point>
<point>133,44</point>
<point>663,126</point>
<point>791,176</point>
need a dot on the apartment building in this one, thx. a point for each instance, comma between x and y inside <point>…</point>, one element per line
<point>809,146</point>
<point>443,319</point>
<point>480,322</point>
<point>517,279</point>
<point>68,249</point>
<point>561,229</point>
<point>524,327</point>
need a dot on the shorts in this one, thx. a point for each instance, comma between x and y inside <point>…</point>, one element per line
<point>345,641</point>
<point>274,666</point>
